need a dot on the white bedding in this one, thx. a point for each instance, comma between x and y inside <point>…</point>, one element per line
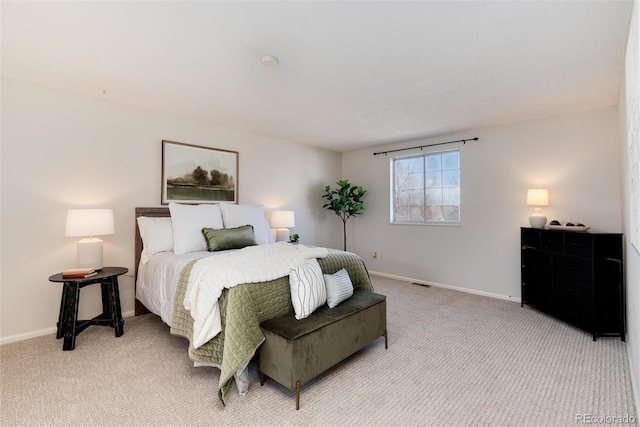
<point>158,279</point>
<point>209,277</point>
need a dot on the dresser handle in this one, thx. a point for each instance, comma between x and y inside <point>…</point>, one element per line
<point>568,267</point>
<point>578,244</point>
<point>573,291</point>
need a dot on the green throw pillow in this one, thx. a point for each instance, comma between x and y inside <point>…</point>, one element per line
<point>229,238</point>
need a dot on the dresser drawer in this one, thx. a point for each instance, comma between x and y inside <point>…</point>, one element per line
<point>537,292</point>
<point>552,241</point>
<point>537,264</point>
<point>530,238</point>
<point>574,304</point>
<point>576,270</point>
<point>578,244</point>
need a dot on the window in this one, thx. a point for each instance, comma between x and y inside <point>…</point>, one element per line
<point>426,188</point>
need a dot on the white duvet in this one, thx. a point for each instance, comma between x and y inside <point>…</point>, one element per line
<point>253,264</point>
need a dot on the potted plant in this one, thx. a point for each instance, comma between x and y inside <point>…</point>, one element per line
<point>345,201</point>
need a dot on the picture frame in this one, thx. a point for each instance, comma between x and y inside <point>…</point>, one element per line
<point>193,174</point>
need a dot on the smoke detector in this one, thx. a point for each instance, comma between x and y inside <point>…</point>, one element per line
<point>269,61</point>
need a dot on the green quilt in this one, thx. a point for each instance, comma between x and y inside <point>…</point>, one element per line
<point>243,308</point>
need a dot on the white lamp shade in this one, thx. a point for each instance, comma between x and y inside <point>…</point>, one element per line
<point>89,222</point>
<point>283,219</point>
<point>537,197</point>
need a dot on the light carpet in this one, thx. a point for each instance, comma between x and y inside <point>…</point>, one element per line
<point>453,359</point>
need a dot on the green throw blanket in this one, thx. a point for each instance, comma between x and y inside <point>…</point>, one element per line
<point>243,308</point>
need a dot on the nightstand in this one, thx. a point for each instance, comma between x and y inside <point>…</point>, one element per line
<point>68,324</point>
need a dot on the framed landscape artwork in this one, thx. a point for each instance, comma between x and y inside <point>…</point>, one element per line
<point>195,174</point>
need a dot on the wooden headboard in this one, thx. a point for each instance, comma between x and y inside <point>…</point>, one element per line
<point>154,212</point>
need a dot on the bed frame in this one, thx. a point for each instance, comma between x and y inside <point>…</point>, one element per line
<point>152,212</point>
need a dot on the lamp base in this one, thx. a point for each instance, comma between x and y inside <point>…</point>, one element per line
<point>90,253</point>
<point>537,220</point>
<point>282,235</point>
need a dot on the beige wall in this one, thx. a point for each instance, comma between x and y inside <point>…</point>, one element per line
<point>575,156</point>
<point>630,119</point>
<point>62,151</point>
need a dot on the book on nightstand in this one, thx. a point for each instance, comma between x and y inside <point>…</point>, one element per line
<point>79,273</point>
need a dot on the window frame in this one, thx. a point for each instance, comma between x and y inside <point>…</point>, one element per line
<point>392,180</point>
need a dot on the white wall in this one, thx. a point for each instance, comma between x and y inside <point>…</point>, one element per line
<point>575,156</point>
<point>629,119</point>
<point>62,151</point>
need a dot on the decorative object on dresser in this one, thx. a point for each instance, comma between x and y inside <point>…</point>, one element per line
<point>576,277</point>
<point>68,324</point>
<point>89,222</point>
<point>570,226</point>
<point>195,174</point>
<point>537,197</point>
<point>282,221</point>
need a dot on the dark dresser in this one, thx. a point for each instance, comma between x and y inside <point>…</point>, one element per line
<point>576,277</point>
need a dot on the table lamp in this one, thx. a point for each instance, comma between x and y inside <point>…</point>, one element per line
<point>537,197</point>
<point>282,221</point>
<point>89,222</point>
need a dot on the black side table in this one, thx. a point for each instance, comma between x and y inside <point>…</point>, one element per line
<point>68,324</point>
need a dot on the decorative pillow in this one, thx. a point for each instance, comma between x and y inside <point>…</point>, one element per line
<point>229,238</point>
<point>188,222</point>
<point>238,215</point>
<point>156,234</point>
<point>308,291</point>
<point>339,287</point>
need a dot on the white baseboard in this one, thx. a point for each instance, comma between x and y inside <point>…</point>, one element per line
<point>41,332</point>
<point>26,336</point>
<point>441,285</point>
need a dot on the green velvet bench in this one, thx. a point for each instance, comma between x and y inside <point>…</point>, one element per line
<point>296,351</point>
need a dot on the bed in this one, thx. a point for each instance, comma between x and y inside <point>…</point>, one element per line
<point>164,268</point>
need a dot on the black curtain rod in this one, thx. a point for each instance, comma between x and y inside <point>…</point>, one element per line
<point>464,141</point>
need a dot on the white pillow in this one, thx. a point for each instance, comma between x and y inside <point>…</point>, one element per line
<point>339,287</point>
<point>156,234</point>
<point>238,215</point>
<point>188,222</point>
<point>267,227</point>
<point>308,291</point>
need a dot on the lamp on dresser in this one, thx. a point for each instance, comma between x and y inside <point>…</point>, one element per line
<point>89,223</point>
<point>537,197</point>
<point>282,221</point>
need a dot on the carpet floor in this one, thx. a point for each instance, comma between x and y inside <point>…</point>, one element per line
<point>453,359</point>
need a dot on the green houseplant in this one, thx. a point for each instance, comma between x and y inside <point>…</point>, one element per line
<point>345,201</point>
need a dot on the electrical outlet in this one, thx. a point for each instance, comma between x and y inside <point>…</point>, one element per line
<point>374,254</point>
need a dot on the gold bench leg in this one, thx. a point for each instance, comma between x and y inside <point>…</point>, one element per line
<point>297,395</point>
<point>386,340</point>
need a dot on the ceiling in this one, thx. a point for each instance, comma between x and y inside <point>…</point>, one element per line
<point>350,74</point>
